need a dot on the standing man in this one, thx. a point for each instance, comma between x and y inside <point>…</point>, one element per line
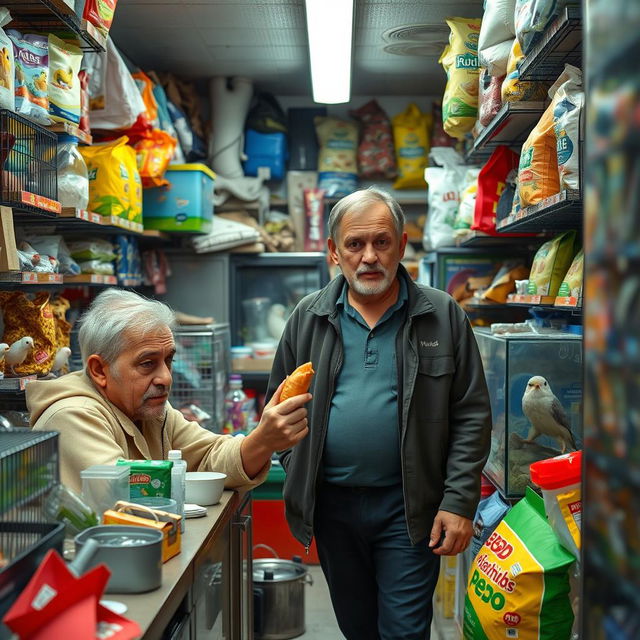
<point>388,478</point>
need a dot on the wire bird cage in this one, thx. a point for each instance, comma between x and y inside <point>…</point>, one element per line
<point>29,469</point>
<point>200,373</point>
<point>28,158</point>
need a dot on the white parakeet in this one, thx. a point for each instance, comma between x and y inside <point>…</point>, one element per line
<point>61,359</point>
<point>546,414</point>
<point>18,352</point>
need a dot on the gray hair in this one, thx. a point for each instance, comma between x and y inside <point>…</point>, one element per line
<point>111,314</point>
<point>360,200</point>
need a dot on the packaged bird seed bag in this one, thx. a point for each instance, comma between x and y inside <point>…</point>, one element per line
<point>550,264</point>
<point>519,581</point>
<point>149,478</point>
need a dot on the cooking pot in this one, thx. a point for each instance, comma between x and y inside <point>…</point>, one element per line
<point>279,598</point>
<point>132,554</point>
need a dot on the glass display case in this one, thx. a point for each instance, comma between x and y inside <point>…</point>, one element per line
<point>265,288</point>
<point>509,363</point>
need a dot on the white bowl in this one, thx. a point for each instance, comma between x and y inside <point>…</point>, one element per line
<point>204,487</point>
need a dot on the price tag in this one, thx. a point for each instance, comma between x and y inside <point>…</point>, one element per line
<point>29,277</point>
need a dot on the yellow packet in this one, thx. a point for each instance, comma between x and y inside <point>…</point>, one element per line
<point>570,504</point>
<point>411,140</point>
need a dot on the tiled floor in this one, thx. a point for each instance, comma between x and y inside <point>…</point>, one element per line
<point>321,622</point>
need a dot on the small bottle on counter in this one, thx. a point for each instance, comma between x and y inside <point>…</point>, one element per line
<point>178,481</point>
<point>235,406</point>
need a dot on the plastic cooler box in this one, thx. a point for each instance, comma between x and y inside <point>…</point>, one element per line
<point>186,205</point>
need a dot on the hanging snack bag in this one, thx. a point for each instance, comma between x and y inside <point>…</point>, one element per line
<point>7,66</point>
<point>32,67</point>
<point>153,153</point>
<point>515,90</point>
<point>64,84</point>
<point>566,116</point>
<point>550,264</point>
<point>110,167</point>
<point>460,61</point>
<point>100,14</point>
<point>519,581</point>
<point>376,157</point>
<point>83,78</point>
<point>411,137</point>
<point>337,161</point>
<point>314,236</point>
<point>571,285</point>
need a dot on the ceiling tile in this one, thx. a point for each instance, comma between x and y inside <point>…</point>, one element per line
<point>149,16</point>
<point>247,16</point>
<point>272,54</point>
<point>238,37</point>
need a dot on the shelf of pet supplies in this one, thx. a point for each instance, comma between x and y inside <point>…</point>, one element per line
<point>560,212</point>
<point>72,130</point>
<point>551,303</point>
<point>29,277</point>
<point>82,219</point>
<point>510,126</point>
<point>478,239</point>
<point>15,384</point>
<point>561,43</point>
<point>30,204</point>
<point>54,15</point>
<point>95,279</point>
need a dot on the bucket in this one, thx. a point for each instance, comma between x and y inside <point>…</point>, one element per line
<point>279,597</point>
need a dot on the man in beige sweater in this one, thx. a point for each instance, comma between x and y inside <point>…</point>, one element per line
<point>117,407</point>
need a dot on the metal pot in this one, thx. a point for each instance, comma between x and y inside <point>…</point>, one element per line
<point>132,554</point>
<point>279,598</point>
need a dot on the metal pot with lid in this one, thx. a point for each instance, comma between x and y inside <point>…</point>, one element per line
<point>279,598</point>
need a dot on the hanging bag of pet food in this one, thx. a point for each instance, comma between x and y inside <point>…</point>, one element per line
<point>376,157</point>
<point>567,116</point>
<point>337,160</point>
<point>64,84</point>
<point>550,265</point>
<point>518,583</point>
<point>100,14</point>
<point>7,66</point>
<point>460,61</point>
<point>411,138</point>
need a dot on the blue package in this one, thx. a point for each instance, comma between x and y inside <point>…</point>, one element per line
<point>265,150</point>
<point>490,512</point>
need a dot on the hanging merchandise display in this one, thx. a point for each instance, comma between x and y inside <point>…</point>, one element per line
<point>100,14</point>
<point>411,138</point>
<point>63,82</point>
<point>7,65</point>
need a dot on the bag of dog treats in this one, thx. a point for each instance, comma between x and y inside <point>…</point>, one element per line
<point>519,581</point>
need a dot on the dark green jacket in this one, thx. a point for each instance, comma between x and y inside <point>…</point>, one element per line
<point>444,411</point>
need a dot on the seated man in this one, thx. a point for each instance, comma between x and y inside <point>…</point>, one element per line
<point>117,406</point>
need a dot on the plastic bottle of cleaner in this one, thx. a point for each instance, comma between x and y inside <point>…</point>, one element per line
<point>178,481</point>
<point>235,406</point>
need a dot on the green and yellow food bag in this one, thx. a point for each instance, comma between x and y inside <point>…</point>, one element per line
<point>519,581</point>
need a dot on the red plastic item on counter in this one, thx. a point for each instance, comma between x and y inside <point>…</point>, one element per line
<point>486,487</point>
<point>561,471</point>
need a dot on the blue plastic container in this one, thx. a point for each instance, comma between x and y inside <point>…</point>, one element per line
<point>186,205</point>
<point>265,150</point>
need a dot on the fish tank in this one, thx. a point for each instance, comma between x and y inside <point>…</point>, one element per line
<point>510,361</point>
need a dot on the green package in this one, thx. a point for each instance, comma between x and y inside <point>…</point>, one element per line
<point>149,478</point>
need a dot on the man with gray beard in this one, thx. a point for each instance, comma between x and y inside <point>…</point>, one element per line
<point>117,406</point>
<point>388,479</point>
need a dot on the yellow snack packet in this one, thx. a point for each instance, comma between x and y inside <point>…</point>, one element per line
<point>411,140</point>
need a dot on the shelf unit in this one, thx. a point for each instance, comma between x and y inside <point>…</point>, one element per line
<point>478,239</point>
<point>559,212</point>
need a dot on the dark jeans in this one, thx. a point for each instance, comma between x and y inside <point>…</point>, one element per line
<point>381,585</point>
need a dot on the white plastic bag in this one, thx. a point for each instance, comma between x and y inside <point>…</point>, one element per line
<point>496,34</point>
<point>115,99</point>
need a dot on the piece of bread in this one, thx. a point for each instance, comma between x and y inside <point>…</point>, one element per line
<point>298,382</point>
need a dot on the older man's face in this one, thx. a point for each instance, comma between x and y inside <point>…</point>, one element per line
<point>138,382</point>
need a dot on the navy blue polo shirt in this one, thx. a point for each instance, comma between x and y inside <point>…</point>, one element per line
<point>362,447</point>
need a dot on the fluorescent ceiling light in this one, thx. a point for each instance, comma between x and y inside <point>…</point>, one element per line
<point>329,28</point>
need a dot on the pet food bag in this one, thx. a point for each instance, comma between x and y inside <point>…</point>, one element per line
<point>460,61</point>
<point>550,265</point>
<point>376,155</point>
<point>7,66</point>
<point>504,282</point>
<point>411,137</point>
<point>496,33</point>
<point>111,167</point>
<point>31,53</point>
<point>153,155</point>
<point>519,581</point>
<point>337,160</point>
<point>464,217</point>
<point>567,113</point>
<point>64,84</point>
<point>100,14</point>
<point>515,90</point>
<point>490,97</point>
<point>531,19</point>
<point>571,285</point>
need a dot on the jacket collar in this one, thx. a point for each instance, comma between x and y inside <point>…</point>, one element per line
<point>325,303</point>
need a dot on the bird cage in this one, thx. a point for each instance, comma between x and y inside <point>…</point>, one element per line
<point>510,361</point>
<point>200,372</point>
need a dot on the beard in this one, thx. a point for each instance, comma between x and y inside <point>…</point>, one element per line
<point>364,288</point>
<point>147,412</point>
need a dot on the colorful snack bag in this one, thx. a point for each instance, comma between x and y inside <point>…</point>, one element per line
<point>490,99</point>
<point>64,84</point>
<point>100,14</point>
<point>32,67</point>
<point>149,478</point>
<point>571,285</point>
<point>411,137</point>
<point>83,78</point>
<point>337,161</point>
<point>314,236</point>
<point>550,264</point>
<point>376,157</point>
<point>153,155</point>
<point>515,90</point>
<point>7,66</point>
<point>519,581</point>
<point>460,61</point>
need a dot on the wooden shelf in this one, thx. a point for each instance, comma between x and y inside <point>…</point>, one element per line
<point>29,277</point>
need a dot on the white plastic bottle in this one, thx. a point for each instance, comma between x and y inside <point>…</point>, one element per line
<point>178,481</point>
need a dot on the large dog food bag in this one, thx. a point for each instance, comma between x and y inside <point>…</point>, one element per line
<point>519,580</point>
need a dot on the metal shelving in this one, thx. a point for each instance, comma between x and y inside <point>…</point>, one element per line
<point>476,239</point>
<point>558,213</point>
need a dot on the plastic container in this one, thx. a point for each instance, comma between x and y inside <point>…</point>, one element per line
<point>559,479</point>
<point>103,485</point>
<point>265,150</point>
<point>185,205</point>
<point>178,481</point>
<point>235,406</point>
<point>156,502</point>
<point>73,178</point>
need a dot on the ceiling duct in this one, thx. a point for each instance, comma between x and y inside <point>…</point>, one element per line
<point>416,39</point>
